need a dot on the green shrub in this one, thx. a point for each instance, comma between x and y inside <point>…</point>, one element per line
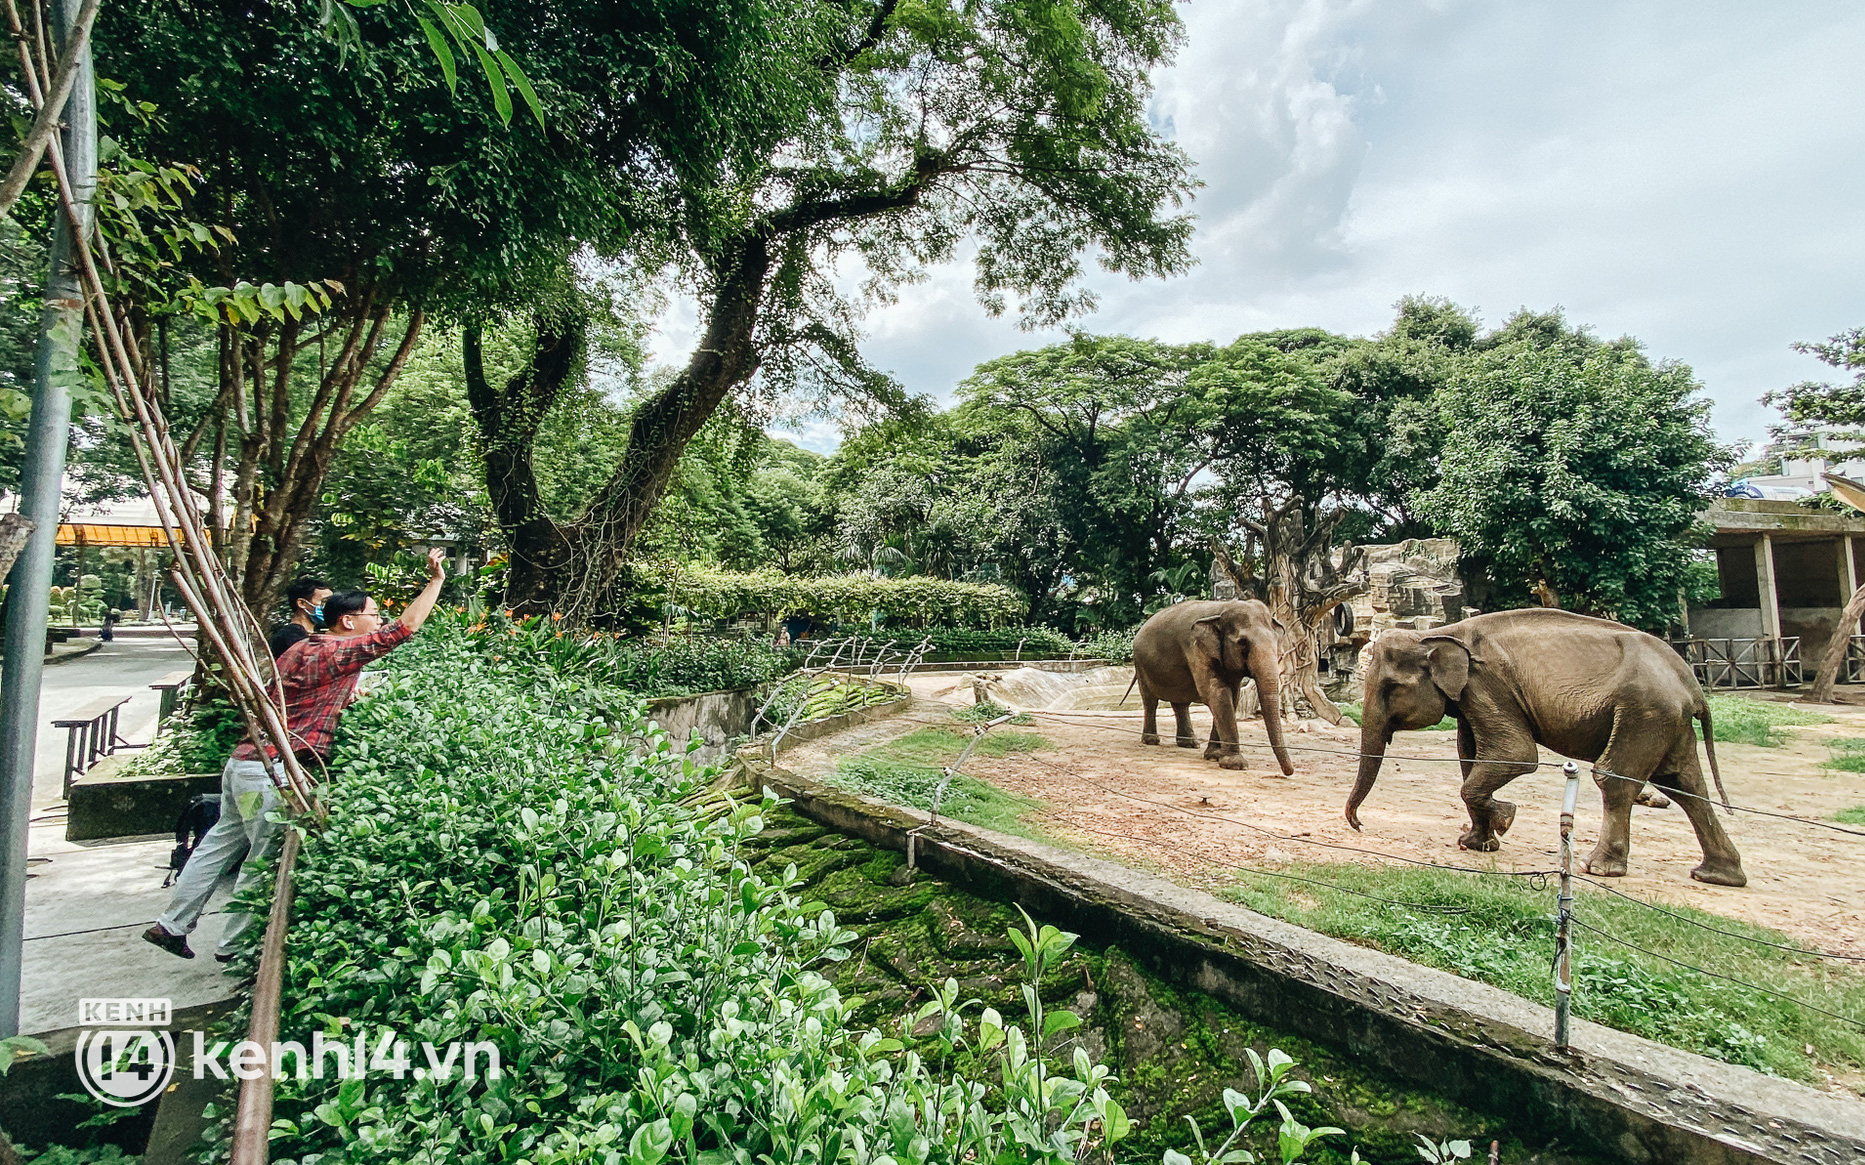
<point>1743,720</point>
<point>996,644</point>
<point>513,860</point>
<point>650,666</point>
<point>1113,646</point>
<point>687,665</point>
<point>197,738</point>
<point>720,594</point>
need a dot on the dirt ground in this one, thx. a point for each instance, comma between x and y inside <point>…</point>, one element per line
<point>1167,808</point>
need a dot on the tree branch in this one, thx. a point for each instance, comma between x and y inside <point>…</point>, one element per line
<point>51,105</point>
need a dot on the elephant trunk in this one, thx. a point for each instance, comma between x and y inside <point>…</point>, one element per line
<point>1372,755</point>
<point>1266,668</point>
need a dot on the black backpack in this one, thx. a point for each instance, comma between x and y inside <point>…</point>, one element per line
<point>202,812</point>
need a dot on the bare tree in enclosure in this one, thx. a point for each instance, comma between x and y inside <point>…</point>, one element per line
<point>1304,579</point>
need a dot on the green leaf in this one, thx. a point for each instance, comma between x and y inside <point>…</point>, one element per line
<point>523,83</point>
<point>442,53</point>
<point>495,77</point>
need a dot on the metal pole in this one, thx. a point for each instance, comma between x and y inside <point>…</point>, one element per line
<point>61,329</point>
<point>1563,943</point>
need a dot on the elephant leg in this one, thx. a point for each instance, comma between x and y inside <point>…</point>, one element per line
<point>1497,760</point>
<point>1638,747</point>
<point>1222,700</point>
<point>1149,732</point>
<point>1214,747</point>
<point>1651,798</point>
<point>1182,716</point>
<point>1722,865</point>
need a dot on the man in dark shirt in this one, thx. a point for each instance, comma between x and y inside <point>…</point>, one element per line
<point>305,599</point>
<point>319,679</point>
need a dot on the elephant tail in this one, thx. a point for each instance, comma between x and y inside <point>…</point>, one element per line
<point>1129,692</point>
<point>1709,746</point>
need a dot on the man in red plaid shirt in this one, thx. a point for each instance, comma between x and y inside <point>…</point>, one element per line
<point>318,675</point>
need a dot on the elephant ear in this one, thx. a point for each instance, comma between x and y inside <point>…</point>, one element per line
<point>1449,663</point>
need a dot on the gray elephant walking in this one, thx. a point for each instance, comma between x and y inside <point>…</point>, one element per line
<point>1586,688</point>
<point>1200,653</point>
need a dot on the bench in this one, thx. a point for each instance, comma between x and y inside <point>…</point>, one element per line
<point>170,686</point>
<point>91,735</point>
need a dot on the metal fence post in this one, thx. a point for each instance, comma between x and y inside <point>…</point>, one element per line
<point>1563,941</point>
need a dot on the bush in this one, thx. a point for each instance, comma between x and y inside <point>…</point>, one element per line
<point>197,738</point>
<point>651,666</point>
<point>687,665</point>
<point>854,598</point>
<point>1113,646</point>
<point>516,864</point>
<point>996,644</point>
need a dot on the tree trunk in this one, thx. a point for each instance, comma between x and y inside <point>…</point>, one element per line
<point>1302,585</point>
<point>1843,631</point>
<point>725,358</point>
<point>508,419</point>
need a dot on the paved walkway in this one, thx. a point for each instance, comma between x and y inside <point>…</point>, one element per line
<point>87,907</point>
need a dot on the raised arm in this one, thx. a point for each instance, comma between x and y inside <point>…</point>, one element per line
<point>423,604</point>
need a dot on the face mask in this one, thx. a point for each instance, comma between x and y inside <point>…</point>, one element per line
<point>317,614</point>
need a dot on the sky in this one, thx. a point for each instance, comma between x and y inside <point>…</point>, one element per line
<point>1685,173</point>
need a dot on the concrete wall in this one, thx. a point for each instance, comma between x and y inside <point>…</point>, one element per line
<point>1611,1093</point>
<point>1814,626</point>
<point>1725,623</point>
<point>717,717</point>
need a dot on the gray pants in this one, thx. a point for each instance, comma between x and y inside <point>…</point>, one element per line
<point>247,797</point>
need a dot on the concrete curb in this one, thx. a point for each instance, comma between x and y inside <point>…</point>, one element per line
<point>1612,1093</point>
<point>75,653</point>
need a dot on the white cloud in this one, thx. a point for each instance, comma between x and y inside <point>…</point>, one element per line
<point>1687,174</point>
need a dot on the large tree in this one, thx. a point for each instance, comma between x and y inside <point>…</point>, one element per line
<point>1575,470</point>
<point>1020,127</point>
<point>356,163</point>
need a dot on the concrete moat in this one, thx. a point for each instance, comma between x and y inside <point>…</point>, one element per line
<point>1174,1051</point>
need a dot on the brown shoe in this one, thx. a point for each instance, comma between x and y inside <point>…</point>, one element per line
<point>174,944</point>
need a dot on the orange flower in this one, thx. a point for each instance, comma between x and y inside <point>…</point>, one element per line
<point>556,616</point>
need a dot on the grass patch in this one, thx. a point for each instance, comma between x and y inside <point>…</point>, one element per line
<point>1848,756</point>
<point>987,711</point>
<point>1852,816</point>
<point>1499,930</point>
<point>907,772</point>
<point>1745,721</point>
<point>1353,713</point>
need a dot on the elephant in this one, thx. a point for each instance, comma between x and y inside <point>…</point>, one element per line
<point>1586,688</point>
<point>1201,652</point>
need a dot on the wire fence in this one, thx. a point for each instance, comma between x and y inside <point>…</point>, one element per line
<point>1537,880</point>
<point>1599,773</point>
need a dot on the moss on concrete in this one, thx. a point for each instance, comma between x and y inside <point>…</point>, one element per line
<point>1175,1051</point>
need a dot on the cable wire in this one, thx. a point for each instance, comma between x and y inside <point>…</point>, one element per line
<point>1083,779</point>
<point>1597,771</point>
<point>1608,936</point>
<point>1809,952</point>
